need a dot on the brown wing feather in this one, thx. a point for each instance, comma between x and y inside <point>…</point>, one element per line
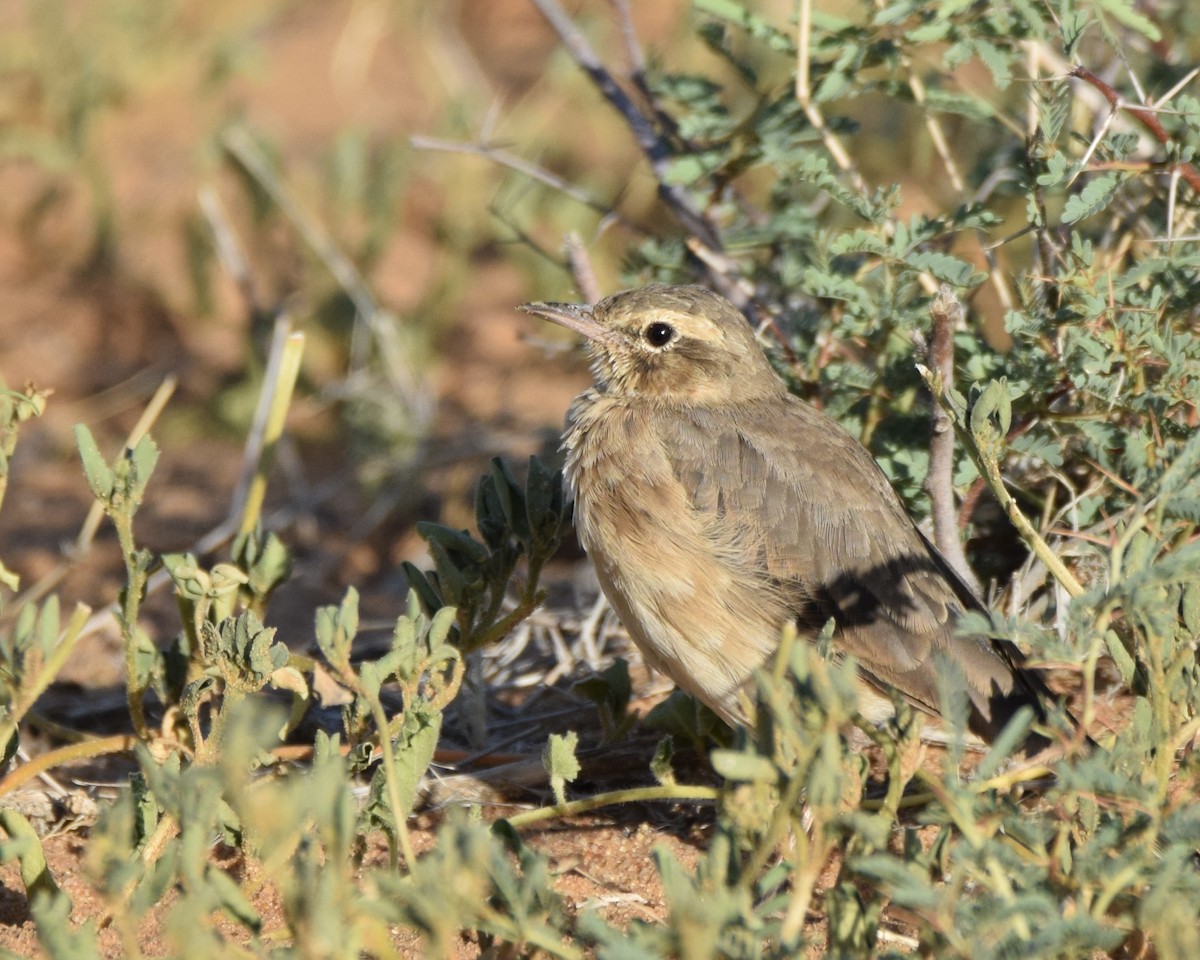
<point>825,526</point>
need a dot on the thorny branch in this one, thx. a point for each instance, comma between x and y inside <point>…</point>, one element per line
<point>504,158</point>
<point>1143,115</point>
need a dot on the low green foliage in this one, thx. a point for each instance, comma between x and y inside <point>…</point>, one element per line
<point>1077,420</point>
<point>515,522</point>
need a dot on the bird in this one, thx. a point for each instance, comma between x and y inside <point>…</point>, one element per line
<point>716,507</point>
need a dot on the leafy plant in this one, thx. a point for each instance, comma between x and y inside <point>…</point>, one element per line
<point>473,577</point>
<point>1062,216</point>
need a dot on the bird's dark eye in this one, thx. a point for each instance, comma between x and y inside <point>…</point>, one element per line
<point>659,334</point>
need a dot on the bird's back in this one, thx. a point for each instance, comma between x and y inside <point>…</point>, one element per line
<point>792,519</point>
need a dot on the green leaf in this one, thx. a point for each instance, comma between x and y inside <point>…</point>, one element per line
<point>420,586</point>
<point>543,502</point>
<point>560,762</point>
<point>372,676</point>
<point>99,476</point>
<point>454,579</point>
<point>930,32</point>
<point>1075,24</point>
<point>858,241</point>
<point>743,767</point>
<point>143,458</point>
<point>440,627</point>
<point>754,25</point>
<point>1191,608</point>
<point>1091,199</point>
<point>336,629</point>
<point>610,691</point>
<point>414,752</point>
<point>686,718</point>
<point>684,171</point>
<point>1048,449</point>
<point>1143,720</point>
<point>1182,469</point>
<point>231,898</point>
<point>1055,172</point>
<point>1010,738</point>
<point>512,499</point>
<point>24,845</point>
<point>1125,12</point>
<point>191,581</point>
<point>997,60</point>
<point>992,403</point>
<point>267,562</point>
<point>1121,656</point>
<point>489,514</point>
<point>10,738</point>
<point>660,763</point>
<point>48,625</point>
<point>965,472</point>
<point>454,541</point>
<point>945,268</point>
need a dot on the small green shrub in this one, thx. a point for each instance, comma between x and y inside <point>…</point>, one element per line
<point>1076,219</point>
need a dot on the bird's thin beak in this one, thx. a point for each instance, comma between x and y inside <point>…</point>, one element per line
<point>573,316</point>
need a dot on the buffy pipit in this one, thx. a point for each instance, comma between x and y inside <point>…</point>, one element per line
<point>716,507</point>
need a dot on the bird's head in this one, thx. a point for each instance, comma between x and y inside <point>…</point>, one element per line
<point>669,343</point>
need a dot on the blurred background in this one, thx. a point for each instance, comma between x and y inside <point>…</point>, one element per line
<point>174,174</point>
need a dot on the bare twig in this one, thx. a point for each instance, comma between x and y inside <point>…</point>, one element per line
<point>934,127</point>
<point>837,150</point>
<point>86,750</point>
<point>403,379</point>
<point>229,248</point>
<point>725,276</point>
<point>946,311</point>
<point>526,239</point>
<point>503,158</point>
<point>581,268</point>
<point>589,631</point>
<point>243,149</point>
<point>648,138</point>
<point>633,50</point>
<point>637,67</point>
<point>941,144</point>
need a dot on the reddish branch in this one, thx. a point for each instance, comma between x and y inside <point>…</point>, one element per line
<point>1144,116</point>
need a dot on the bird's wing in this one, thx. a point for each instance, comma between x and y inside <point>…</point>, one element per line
<point>811,508</point>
